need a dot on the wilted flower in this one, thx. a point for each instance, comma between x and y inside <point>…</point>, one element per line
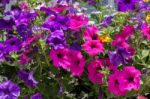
<point>28,78</point>
<point>9,90</point>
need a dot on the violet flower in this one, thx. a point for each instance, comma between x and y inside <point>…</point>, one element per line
<point>28,78</point>
<point>7,24</point>
<point>126,5</point>
<point>9,90</point>
<point>12,44</point>
<point>57,40</point>
<point>36,96</point>
<point>107,21</point>
<point>120,56</point>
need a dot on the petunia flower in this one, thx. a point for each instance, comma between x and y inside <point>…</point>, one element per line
<point>28,78</point>
<point>36,96</point>
<point>94,70</point>
<point>126,5</point>
<point>7,24</point>
<point>93,47</point>
<point>77,62</point>
<point>114,84</point>
<point>130,78</point>
<point>60,58</point>
<point>12,44</point>
<point>120,56</point>
<point>107,21</point>
<point>90,33</point>
<point>9,90</point>
<point>146,31</point>
<point>57,40</point>
<point>76,22</point>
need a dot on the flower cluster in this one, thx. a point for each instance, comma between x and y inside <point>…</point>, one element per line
<point>47,46</point>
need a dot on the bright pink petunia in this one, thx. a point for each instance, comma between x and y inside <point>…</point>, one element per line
<point>91,33</point>
<point>60,8</point>
<point>94,70</point>
<point>77,21</point>
<point>77,62</point>
<point>93,47</point>
<point>114,84</point>
<point>146,31</point>
<point>130,78</point>
<point>60,58</point>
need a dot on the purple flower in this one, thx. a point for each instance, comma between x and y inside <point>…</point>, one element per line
<point>4,2</point>
<point>7,24</point>
<point>28,78</point>
<point>12,44</point>
<point>107,21</point>
<point>9,90</point>
<point>126,5</point>
<point>57,39</point>
<point>120,56</point>
<point>1,52</point>
<point>56,22</point>
<point>36,96</point>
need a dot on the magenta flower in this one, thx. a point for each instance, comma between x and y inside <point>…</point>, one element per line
<point>130,78</point>
<point>91,33</point>
<point>146,31</point>
<point>9,90</point>
<point>93,47</point>
<point>77,21</point>
<point>94,69</point>
<point>60,58</point>
<point>114,84</point>
<point>77,62</point>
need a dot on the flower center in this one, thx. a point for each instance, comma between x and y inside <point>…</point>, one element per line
<point>130,79</point>
<point>59,55</point>
<point>94,37</point>
<point>127,1</point>
<point>116,82</point>
<point>93,46</point>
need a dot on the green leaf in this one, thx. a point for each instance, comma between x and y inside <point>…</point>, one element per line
<point>145,53</point>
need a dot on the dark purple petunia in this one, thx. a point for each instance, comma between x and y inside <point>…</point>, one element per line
<point>56,22</point>
<point>4,2</point>
<point>126,5</point>
<point>7,24</point>
<point>36,96</point>
<point>24,31</point>
<point>107,21</point>
<point>9,90</point>
<point>120,56</point>
<point>28,78</point>
<point>57,39</point>
<point>12,44</point>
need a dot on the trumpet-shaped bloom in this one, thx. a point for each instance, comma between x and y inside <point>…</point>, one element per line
<point>9,90</point>
<point>130,78</point>
<point>94,69</point>
<point>91,33</point>
<point>93,47</point>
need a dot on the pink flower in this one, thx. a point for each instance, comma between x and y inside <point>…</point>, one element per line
<point>94,69</point>
<point>114,84</point>
<point>77,62</point>
<point>60,8</point>
<point>127,32</point>
<point>24,57</point>
<point>60,58</point>
<point>130,78</point>
<point>93,47</point>
<point>77,21</point>
<point>91,33</point>
<point>24,5</point>
<point>146,31</point>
